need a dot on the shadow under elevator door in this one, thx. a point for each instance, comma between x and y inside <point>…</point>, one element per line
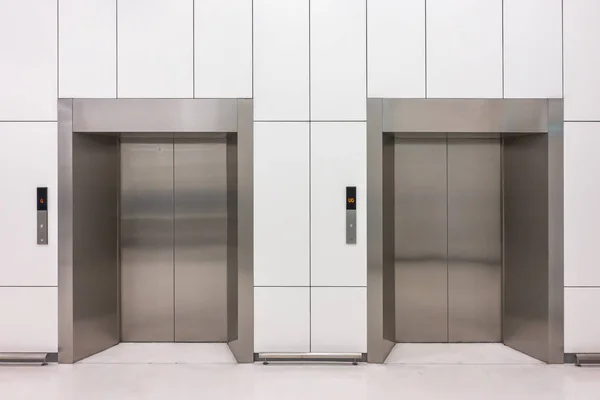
<point>173,239</point>
<point>448,240</point>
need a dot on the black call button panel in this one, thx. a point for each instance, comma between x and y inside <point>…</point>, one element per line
<point>350,197</point>
<point>42,215</point>
<point>42,199</point>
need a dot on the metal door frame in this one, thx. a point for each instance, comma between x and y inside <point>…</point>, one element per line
<point>411,117</point>
<point>144,116</point>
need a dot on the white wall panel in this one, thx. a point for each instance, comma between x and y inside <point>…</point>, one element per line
<point>581,199</point>
<point>582,325</point>
<point>582,59</point>
<point>532,48</point>
<point>88,48</point>
<point>28,47</point>
<point>28,159</point>
<point>339,320</point>
<point>223,48</point>
<point>281,319</point>
<point>338,60</point>
<point>464,48</point>
<point>396,48</point>
<point>281,204</point>
<point>338,159</point>
<point>281,54</point>
<point>155,48</point>
<point>29,318</point>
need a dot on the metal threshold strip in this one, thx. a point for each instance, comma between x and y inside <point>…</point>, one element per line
<point>23,358</point>
<point>354,358</point>
<point>582,359</point>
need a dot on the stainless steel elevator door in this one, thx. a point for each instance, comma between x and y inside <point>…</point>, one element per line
<point>147,284</point>
<point>421,240</point>
<point>173,240</point>
<point>474,240</point>
<point>200,241</point>
<point>448,240</point>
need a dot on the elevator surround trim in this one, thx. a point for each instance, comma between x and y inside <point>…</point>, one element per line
<point>143,118</point>
<point>463,118</point>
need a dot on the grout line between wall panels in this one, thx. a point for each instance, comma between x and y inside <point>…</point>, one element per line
<point>193,49</point>
<point>23,121</point>
<point>116,49</point>
<point>425,32</point>
<point>562,48</point>
<point>309,184</point>
<point>581,287</point>
<point>57,53</point>
<point>503,49</point>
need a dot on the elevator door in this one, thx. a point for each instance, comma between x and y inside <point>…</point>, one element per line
<point>448,240</point>
<point>173,240</point>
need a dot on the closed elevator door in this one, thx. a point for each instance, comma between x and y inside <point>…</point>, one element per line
<point>173,240</point>
<point>448,240</point>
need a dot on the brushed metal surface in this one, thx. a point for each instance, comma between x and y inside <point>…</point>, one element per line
<point>243,345</point>
<point>510,119</point>
<point>232,237</point>
<point>350,226</point>
<point>421,240</point>
<point>474,240</point>
<point>42,227</point>
<point>526,248</point>
<point>381,325</point>
<point>556,231</point>
<point>95,243</point>
<point>66,335</point>
<point>465,115</point>
<point>147,282</point>
<point>153,118</point>
<point>200,240</point>
<point>154,115</point>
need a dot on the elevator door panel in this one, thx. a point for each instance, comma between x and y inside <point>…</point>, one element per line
<point>421,240</point>
<point>474,240</point>
<point>200,240</point>
<point>147,284</point>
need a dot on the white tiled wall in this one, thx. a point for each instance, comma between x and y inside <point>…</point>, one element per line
<point>396,42</point>
<point>87,48</point>
<point>338,60</point>
<point>29,319</point>
<point>155,48</point>
<point>581,59</point>
<point>282,319</point>
<point>281,67</point>
<point>28,159</point>
<point>223,67</point>
<point>338,319</point>
<point>28,50</point>
<point>582,326</point>
<point>306,62</point>
<point>532,48</point>
<point>281,204</point>
<point>581,199</point>
<point>464,48</point>
<point>338,159</point>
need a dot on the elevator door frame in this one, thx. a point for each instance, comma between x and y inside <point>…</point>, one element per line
<point>538,119</point>
<point>86,323</point>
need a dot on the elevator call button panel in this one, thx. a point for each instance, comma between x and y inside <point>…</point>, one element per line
<point>350,214</point>
<point>42,215</point>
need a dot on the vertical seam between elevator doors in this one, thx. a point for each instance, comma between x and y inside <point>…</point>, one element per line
<point>447,243</point>
<point>173,232</point>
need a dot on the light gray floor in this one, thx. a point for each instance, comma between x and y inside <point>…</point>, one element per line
<point>306,382</point>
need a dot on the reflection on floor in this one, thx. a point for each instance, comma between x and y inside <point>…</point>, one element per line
<point>164,353</point>
<point>457,353</point>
